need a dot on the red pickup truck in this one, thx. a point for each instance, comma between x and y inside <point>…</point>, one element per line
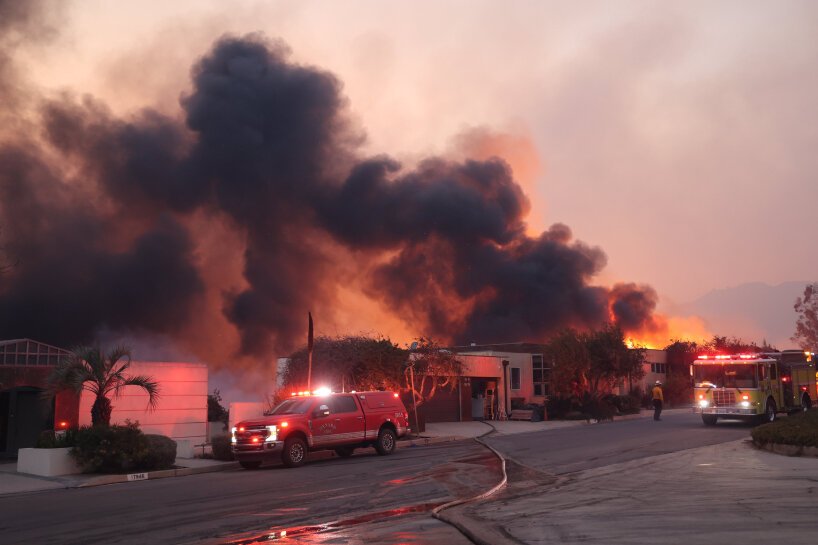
<point>339,422</point>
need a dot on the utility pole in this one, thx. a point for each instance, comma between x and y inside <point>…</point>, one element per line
<point>414,399</point>
<point>309,353</point>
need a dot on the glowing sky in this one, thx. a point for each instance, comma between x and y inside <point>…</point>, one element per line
<point>677,136</point>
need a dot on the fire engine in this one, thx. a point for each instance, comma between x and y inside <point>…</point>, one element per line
<point>753,386</point>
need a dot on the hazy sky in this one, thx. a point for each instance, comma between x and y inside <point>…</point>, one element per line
<point>677,136</point>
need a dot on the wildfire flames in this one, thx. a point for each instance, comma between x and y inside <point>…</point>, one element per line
<point>218,228</point>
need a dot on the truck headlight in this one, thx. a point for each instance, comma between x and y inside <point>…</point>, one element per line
<point>703,403</point>
<point>233,435</point>
<point>272,435</point>
<point>745,404</point>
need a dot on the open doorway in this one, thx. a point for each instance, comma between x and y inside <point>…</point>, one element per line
<point>484,399</point>
<point>24,414</point>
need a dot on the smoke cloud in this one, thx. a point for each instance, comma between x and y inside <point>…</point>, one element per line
<point>110,219</point>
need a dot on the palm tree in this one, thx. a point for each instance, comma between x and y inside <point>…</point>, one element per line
<point>88,369</point>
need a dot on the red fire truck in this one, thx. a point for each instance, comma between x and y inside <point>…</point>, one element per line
<point>753,386</point>
<point>307,422</point>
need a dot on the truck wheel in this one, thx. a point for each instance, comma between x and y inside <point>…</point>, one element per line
<point>344,452</point>
<point>709,419</point>
<point>386,442</point>
<point>770,412</point>
<point>255,464</point>
<point>806,403</point>
<point>294,453</point>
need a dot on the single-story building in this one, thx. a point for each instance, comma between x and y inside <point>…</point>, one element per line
<point>25,365</point>
<point>496,375</point>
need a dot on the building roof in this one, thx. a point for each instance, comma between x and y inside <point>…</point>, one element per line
<point>28,352</point>
<point>515,348</point>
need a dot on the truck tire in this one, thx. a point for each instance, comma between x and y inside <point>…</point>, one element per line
<point>771,410</point>
<point>344,452</point>
<point>709,419</point>
<point>386,442</point>
<point>295,452</point>
<point>254,464</point>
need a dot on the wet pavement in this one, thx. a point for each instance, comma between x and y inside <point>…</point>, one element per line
<point>12,482</point>
<point>722,492</point>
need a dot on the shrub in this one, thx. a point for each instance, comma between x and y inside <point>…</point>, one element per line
<point>160,454</point>
<point>221,448</point>
<point>598,408</point>
<point>799,429</point>
<point>562,407</point>
<point>52,439</point>
<point>624,404</point>
<point>109,449</point>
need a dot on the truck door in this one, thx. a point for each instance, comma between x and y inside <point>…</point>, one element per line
<point>775,385</point>
<point>349,419</point>
<point>786,385</point>
<point>324,426</point>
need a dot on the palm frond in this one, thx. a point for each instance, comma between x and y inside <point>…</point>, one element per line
<point>149,385</point>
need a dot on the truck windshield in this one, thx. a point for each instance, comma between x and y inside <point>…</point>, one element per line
<point>292,406</point>
<point>725,376</point>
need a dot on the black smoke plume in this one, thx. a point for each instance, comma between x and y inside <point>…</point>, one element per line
<point>96,209</point>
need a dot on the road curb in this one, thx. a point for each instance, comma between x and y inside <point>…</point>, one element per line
<point>184,471</point>
<point>788,450</point>
<point>151,475</point>
<point>425,441</point>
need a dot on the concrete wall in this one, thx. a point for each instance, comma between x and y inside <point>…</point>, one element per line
<point>653,356</point>
<point>182,410</point>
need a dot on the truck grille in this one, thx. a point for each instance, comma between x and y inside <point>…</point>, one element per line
<point>259,433</point>
<point>723,398</point>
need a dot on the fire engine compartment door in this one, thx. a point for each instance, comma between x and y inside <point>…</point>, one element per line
<point>345,423</point>
<point>786,383</point>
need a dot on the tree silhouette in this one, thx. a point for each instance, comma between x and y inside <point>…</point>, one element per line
<point>806,328</point>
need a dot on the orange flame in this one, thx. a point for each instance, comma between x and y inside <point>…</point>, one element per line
<point>666,330</point>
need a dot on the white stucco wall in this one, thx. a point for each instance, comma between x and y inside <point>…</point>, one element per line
<point>182,410</point>
<point>520,360</point>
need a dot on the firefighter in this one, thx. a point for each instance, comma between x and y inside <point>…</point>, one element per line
<point>658,400</point>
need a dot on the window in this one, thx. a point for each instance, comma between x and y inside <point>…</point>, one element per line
<point>515,378</point>
<point>343,404</point>
<point>773,371</point>
<point>658,368</point>
<point>540,375</point>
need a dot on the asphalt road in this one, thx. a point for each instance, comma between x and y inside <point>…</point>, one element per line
<point>363,499</point>
<point>579,448</point>
<point>238,505</point>
<point>643,482</point>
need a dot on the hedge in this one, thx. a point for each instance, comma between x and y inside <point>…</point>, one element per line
<point>121,448</point>
<point>799,429</point>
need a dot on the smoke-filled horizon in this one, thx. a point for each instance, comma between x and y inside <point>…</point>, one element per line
<point>221,228</point>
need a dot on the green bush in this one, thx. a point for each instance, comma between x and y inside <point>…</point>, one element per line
<point>160,454</point>
<point>799,429</point>
<point>563,407</point>
<point>598,409</point>
<point>110,449</point>
<point>221,448</point>
<point>624,404</point>
<point>51,439</point>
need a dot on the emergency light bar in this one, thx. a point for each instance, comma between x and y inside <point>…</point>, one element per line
<point>730,357</point>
